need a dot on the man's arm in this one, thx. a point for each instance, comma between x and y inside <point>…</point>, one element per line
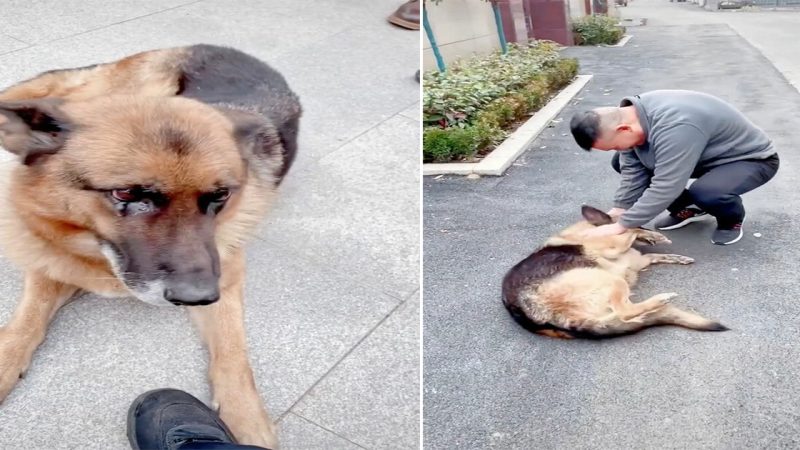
<point>677,151</point>
<point>635,178</point>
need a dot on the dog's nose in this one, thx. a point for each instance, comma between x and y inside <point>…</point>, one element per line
<point>192,293</point>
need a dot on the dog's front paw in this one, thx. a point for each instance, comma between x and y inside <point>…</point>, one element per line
<point>14,360</point>
<point>652,237</point>
<point>679,259</point>
<point>248,421</point>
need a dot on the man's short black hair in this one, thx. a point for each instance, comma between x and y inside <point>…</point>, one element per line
<point>585,128</point>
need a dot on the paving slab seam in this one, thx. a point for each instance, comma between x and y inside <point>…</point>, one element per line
<point>406,117</point>
<point>17,39</point>
<point>411,295</point>
<point>311,259</point>
<point>337,363</point>
<point>104,26</point>
<point>323,428</point>
<point>372,127</point>
<point>19,49</point>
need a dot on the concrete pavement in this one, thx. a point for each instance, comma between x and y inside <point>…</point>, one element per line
<point>332,293</point>
<point>490,384</point>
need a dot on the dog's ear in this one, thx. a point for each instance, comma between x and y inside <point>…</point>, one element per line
<point>595,217</point>
<point>254,135</point>
<point>31,129</point>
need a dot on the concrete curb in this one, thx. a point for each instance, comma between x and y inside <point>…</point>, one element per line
<point>509,150</point>
<point>622,41</point>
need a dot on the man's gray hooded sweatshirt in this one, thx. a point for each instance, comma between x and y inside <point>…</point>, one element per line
<point>684,131</point>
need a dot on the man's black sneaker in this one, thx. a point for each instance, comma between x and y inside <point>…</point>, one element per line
<point>726,236</point>
<point>680,219</point>
<point>170,419</point>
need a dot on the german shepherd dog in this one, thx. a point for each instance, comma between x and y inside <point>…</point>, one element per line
<point>576,287</point>
<point>144,177</point>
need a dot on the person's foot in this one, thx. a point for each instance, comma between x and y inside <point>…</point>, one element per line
<point>407,15</point>
<point>727,235</point>
<point>171,419</point>
<point>680,219</point>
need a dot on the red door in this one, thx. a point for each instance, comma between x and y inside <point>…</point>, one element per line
<point>548,19</point>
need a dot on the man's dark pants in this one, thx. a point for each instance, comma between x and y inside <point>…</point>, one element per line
<point>717,190</point>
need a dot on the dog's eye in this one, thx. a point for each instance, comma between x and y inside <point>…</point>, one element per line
<point>126,195</point>
<point>213,202</point>
<point>220,195</point>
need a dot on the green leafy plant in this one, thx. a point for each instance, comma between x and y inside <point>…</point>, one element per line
<point>595,30</point>
<point>454,97</point>
<point>451,143</point>
<point>472,106</point>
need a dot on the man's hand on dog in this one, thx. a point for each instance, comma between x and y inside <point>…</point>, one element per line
<point>611,229</point>
<point>615,212</point>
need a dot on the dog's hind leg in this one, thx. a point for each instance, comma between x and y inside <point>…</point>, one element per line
<point>233,386</point>
<point>19,338</point>
<point>665,314</point>
<point>628,311</point>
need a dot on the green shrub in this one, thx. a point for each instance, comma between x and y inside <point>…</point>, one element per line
<point>595,30</point>
<point>470,108</point>
<point>446,144</point>
<point>517,106</point>
<point>454,97</point>
<point>562,73</point>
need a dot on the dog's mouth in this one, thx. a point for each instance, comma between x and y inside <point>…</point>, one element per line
<point>149,292</point>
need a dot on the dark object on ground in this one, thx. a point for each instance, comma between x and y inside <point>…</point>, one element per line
<point>407,15</point>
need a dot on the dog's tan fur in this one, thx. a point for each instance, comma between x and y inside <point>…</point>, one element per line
<point>50,228</point>
<point>152,73</point>
<point>585,291</point>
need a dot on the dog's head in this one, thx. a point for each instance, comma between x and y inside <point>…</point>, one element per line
<point>147,183</point>
<point>605,245</point>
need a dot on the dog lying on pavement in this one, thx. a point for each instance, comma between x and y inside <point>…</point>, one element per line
<point>576,287</point>
<point>144,177</point>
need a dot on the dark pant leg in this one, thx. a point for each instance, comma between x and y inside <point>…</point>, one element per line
<point>685,199</point>
<point>718,190</point>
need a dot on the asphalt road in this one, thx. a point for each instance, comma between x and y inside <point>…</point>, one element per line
<point>489,383</point>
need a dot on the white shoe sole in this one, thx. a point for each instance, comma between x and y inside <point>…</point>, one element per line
<point>741,233</point>
<point>684,223</point>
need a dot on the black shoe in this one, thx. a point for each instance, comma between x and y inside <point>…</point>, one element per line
<point>680,219</point>
<point>727,236</point>
<point>169,419</point>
